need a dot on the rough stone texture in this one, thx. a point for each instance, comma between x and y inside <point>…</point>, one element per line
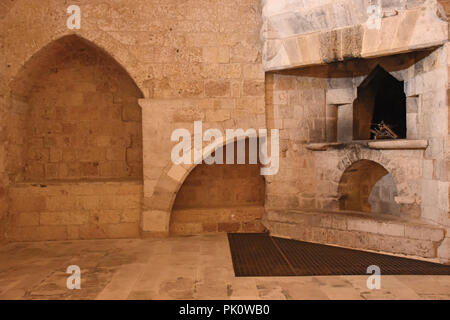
<point>300,33</point>
<point>79,114</point>
<point>220,219</point>
<point>379,233</point>
<point>204,53</point>
<point>197,267</point>
<point>76,210</point>
<point>312,164</point>
<point>203,60</point>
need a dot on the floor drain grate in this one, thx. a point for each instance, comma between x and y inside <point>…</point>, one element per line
<point>259,255</point>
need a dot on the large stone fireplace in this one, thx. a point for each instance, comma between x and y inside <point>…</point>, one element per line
<point>363,117</point>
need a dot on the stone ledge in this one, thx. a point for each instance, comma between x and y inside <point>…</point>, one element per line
<point>324,146</point>
<point>357,230</point>
<point>400,144</point>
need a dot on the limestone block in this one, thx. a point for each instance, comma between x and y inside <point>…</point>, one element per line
<point>177,173</point>
<point>424,233</point>
<point>155,221</point>
<point>217,89</point>
<point>340,96</point>
<point>409,246</point>
<point>122,230</point>
<point>64,217</point>
<point>444,251</point>
<point>343,31</point>
<point>391,229</point>
<point>26,219</point>
<point>216,54</point>
<point>345,123</point>
<point>362,225</point>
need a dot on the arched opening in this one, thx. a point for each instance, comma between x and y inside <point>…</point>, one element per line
<point>380,109</point>
<point>366,186</point>
<point>75,123</point>
<point>220,198</point>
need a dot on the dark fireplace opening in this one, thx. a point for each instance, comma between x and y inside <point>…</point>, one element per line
<point>380,109</point>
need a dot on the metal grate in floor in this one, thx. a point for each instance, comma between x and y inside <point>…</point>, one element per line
<point>259,255</point>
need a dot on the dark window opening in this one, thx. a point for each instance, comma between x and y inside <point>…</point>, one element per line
<point>380,109</point>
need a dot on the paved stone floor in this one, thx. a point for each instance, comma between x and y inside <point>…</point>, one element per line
<point>197,267</point>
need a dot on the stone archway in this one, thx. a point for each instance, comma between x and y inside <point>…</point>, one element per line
<point>220,198</point>
<point>99,39</point>
<point>158,207</point>
<point>366,186</point>
<point>74,145</point>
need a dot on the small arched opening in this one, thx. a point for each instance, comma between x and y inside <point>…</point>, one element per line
<point>220,198</point>
<point>368,187</point>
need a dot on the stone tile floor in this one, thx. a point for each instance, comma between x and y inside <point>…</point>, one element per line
<point>197,267</point>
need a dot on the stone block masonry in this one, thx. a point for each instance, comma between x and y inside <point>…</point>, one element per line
<point>74,211</point>
<point>86,118</point>
<point>382,233</point>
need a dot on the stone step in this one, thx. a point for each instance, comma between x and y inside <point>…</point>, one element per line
<point>360,231</point>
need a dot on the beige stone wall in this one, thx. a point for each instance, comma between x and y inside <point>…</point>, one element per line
<point>79,210</point>
<point>301,33</point>
<point>203,60</point>
<point>228,185</point>
<point>301,110</point>
<point>204,53</point>
<point>296,106</point>
<point>213,220</point>
<point>73,115</point>
<point>396,236</point>
<point>222,85</point>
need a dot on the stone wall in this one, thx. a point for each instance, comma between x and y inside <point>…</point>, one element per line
<point>192,60</point>
<point>312,162</point>
<point>300,33</point>
<point>72,117</point>
<point>359,231</point>
<point>77,210</point>
<point>202,60</point>
<point>298,104</point>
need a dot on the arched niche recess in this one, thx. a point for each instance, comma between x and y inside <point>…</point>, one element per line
<point>220,198</point>
<point>74,115</point>
<point>366,186</point>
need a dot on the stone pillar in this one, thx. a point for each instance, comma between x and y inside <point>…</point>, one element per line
<point>159,193</point>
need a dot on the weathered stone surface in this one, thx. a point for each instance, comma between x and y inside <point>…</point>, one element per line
<point>68,115</point>
<point>372,233</point>
<point>77,210</point>
<point>344,31</point>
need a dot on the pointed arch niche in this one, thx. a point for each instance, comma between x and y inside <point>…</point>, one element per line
<point>75,144</point>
